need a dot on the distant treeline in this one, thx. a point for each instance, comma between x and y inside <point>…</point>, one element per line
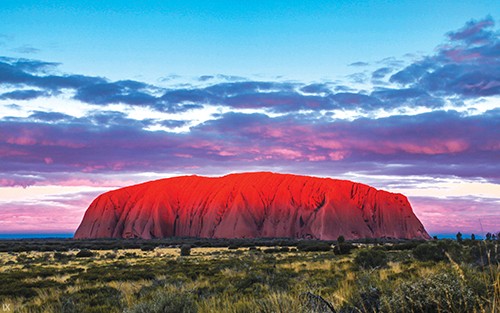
<point>66,244</point>
<point>62,244</point>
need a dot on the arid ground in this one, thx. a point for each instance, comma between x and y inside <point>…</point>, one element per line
<point>249,276</point>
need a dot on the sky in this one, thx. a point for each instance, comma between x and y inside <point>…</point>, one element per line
<point>400,95</point>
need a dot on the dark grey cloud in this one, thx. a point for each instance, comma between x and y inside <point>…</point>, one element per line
<point>23,72</point>
<point>50,116</point>
<point>128,92</point>
<point>29,66</point>
<point>359,63</point>
<point>407,97</point>
<point>316,89</point>
<point>475,32</point>
<point>173,123</point>
<point>24,94</point>
<point>349,100</point>
<point>467,65</point>
<point>381,73</point>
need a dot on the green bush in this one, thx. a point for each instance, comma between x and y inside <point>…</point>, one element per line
<point>484,253</point>
<point>344,248</point>
<point>371,258</point>
<point>185,250</point>
<point>440,293</point>
<point>312,245</point>
<point>59,256</point>
<point>84,253</point>
<point>428,252</point>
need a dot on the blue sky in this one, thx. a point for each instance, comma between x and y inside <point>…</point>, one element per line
<point>306,40</point>
<point>400,95</point>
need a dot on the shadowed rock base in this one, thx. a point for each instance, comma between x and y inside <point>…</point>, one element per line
<point>251,205</point>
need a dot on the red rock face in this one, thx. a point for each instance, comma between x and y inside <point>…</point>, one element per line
<point>250,205</point>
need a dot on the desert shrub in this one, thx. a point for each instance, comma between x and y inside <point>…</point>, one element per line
<point>428,252</point>
<point>315,303</point>
<point>185,250</point>
<point>365,299</point>
<point>370,258</point>
<point>312,245</point>
<point>271,250</point>
<point>166,302</point>
<point>110,255</point>
<point>454,249</point>
<point>92,300</point>
<point>276,250</point>
<point>405,245</point>
<point>343,248</point>
<point>12,286</point>
<point>247,283</point>
<point>484,253</point>
<point>59,256</point>
<point>24,283</point>
<point>443,292</point>
<point>84,253</point>
<point>234,246</point>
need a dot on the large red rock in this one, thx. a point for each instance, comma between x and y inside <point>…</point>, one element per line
<point>250,205</point>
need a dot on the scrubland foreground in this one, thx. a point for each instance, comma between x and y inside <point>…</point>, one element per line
<point>250,276</point>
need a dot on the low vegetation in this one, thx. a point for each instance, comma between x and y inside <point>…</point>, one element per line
<point>189,275</point>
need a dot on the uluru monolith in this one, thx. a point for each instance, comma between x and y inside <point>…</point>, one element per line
<point>250,205</point>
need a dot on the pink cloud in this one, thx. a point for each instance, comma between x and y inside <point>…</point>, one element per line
<point>452,215</point>
<point>21,140</point>
<point>50,215</point>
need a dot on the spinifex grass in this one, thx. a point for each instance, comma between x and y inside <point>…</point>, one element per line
<point>466,279</point>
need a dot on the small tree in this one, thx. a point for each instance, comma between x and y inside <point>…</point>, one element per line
<point>344,248</point>
<point>472,237</point>
<point>341,239</point>
<point>185,250</point>
<point>459,237</point>
<point>488,236</point>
